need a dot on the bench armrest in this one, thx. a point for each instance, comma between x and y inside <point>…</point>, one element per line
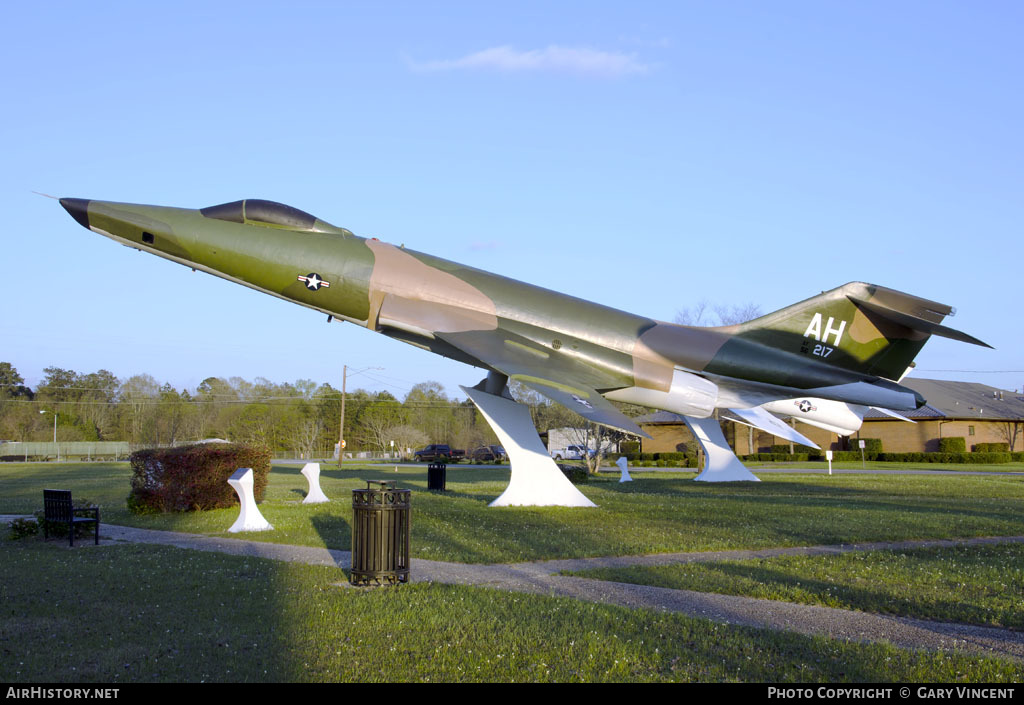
<point>94,510</point>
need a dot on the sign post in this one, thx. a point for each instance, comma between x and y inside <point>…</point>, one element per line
<point>862,465</point>
<point>828,457</point>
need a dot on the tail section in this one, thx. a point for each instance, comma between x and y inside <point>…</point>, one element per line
<point>863,328</point>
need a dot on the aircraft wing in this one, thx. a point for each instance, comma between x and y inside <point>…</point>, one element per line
<point>559,377</point>
<point>890,412</point>
<point>759,418</point>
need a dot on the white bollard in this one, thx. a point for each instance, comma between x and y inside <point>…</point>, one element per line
<point>249,519</point>
<point>311,471</point>
<point>624,467</point>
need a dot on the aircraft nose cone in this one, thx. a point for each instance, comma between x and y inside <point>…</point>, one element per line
<point>78,208</point>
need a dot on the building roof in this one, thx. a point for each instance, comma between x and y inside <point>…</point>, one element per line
<point>659,417</point>
<point>961,400</point>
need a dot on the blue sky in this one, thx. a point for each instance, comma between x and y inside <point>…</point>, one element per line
<point>644,155</point>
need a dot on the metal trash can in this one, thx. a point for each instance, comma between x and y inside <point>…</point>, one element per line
<point>380,535</point>
<point>436,473</point>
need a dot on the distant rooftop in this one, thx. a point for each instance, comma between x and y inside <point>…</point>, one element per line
<point>961,400</point>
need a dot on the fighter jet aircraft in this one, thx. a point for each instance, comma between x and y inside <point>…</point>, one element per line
<point>847,345</point>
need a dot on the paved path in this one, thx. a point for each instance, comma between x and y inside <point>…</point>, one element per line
<point>541,578</point>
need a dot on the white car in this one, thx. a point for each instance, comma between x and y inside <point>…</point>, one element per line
<point>573,452</point>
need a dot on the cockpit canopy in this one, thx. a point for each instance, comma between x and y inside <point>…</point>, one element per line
<point>255,211</point>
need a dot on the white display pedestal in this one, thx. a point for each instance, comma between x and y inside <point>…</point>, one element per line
<point>536,480</point>
<point>624,467</point>
<point>311,471</point>
<point>721,464</point>
<point>249,519</point>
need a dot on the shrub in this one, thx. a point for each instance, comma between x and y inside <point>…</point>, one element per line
<point>673,458</point>
<point>953,444</point>
<point>22,527</point>
<point>849,455</point>
<point>871,445</point>
<point>970,458</point>
<point>56,529</point>
<point>779,457</point>
<point>629,447</point>
<point>1017,457</point>
<point>991,448</point>
<point>576,474</point>
<point>783,449</point>
<point>988,458</point>
<point>193,477</point>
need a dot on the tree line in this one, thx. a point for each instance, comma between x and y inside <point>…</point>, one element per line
<point>303,417</point>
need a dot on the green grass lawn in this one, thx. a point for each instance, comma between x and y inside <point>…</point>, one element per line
<point>152,613</point>
<point>136,613</point>
<point>658,512</point>
<point>981,584</point>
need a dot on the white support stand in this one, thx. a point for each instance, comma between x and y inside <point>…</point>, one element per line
<point>536,480</point>
<point>624,467</point>
<point>249,519</point>
<point>721,464</point>
<point>311,471</point>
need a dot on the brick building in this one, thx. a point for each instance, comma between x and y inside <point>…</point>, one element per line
<point>976,412</point>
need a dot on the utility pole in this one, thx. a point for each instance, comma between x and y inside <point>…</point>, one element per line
<point>341,429</point>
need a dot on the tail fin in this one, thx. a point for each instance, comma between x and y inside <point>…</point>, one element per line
<point>859,327</point>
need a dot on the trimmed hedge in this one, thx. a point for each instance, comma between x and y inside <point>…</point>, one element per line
<point>778,457</point>
<point>783,449</point>
<point>991,448</point>
<point>914,457</point>
<point>195,477</point>
<point>686,462</point>
<point>575,473</point>
<point>953,444</point>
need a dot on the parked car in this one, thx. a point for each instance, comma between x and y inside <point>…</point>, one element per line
<point>487,454</point>
<point>434,452</point>
<point>572,452</point>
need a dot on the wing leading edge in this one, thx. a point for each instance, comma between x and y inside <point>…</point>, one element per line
<point>557,376</point>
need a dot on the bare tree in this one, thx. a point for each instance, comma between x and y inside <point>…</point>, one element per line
<point>405,437</point>
<point>1009,430</point>
<point>704,313</point>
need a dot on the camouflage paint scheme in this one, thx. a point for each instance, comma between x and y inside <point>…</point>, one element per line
<point>848,344</point>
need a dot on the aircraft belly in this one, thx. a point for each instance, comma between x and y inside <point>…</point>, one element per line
<point>688,395</point>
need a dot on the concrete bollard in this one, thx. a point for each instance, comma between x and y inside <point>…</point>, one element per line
<point>249,518</point>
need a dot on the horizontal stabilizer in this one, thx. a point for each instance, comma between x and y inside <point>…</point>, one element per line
<point>759,418</point>
<point>919,324</point>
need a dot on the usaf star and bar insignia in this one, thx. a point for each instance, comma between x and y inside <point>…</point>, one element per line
<point>314,281</point>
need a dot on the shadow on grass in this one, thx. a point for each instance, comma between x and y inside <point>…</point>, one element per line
<point>336,533</point>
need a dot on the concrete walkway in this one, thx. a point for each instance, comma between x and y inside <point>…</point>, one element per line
<point>541,578</point>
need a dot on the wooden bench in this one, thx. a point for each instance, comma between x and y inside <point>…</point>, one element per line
<point>58,507</point>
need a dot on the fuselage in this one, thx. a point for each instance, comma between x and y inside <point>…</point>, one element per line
<point>435,304</point>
